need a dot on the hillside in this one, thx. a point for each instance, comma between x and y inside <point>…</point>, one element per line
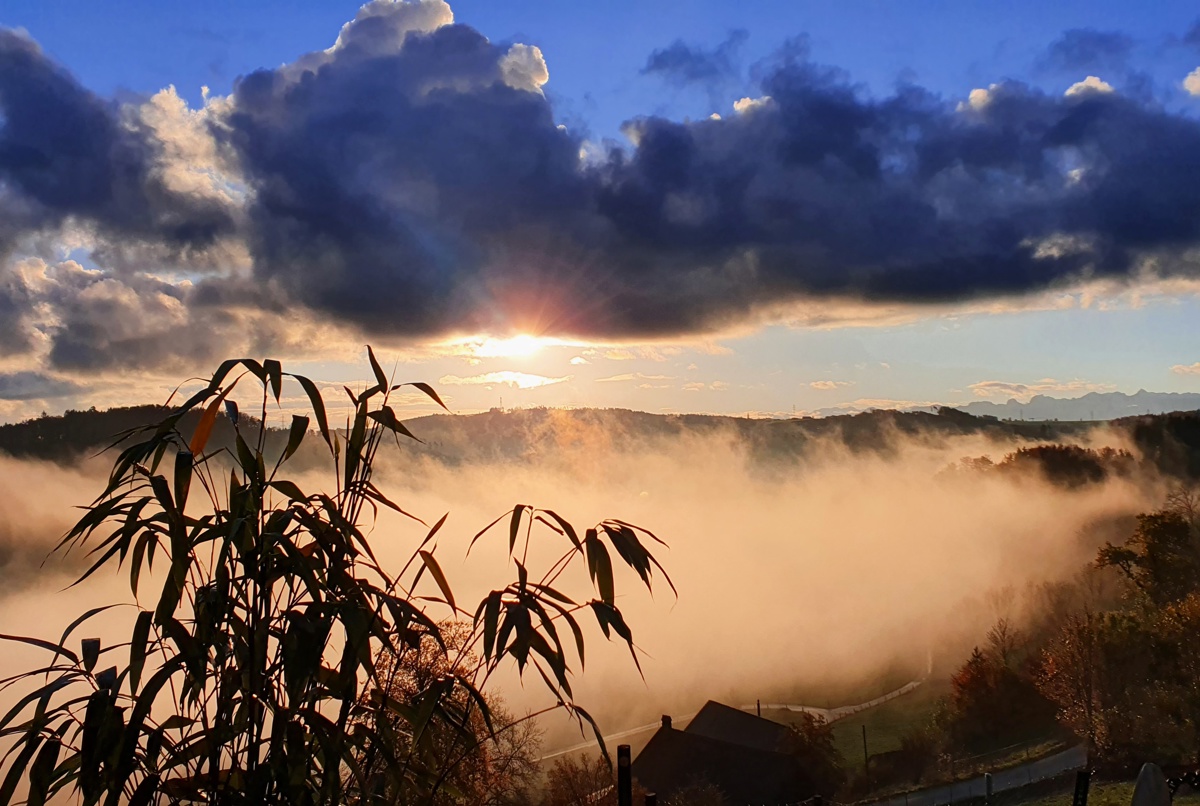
<point>1170,443</point>
<point>521,434</point>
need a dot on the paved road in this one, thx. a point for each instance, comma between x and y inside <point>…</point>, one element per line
<point>1074,758</point>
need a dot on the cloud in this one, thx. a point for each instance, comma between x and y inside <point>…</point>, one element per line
<point>1087,49</point>
<point>863,404</point>
<point>1186,369</point>
<point>27,385</point>
<point>1089,84</point>
<point>519,380</point>
<point>698,386</point>
<point>86,321</point>
<point>1192,82</point>
<point>411,183</point>
<point>1042,387</point>
<point>830,385</point>
<point>635,376</point>
<point>682,64</point>
<point>67,154</point>
<point>466,207</point>
<point>647,353</point>
<point>1192,36</point>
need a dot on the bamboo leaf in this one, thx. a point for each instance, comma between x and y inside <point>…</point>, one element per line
<point>484,531</point>
<point>432,564</point>
<point>18,769</point>
<point>318,405</point>
<point>514,526</point>
<point>387,418</point>
<point>207,420</point>
<point>137,649</point>
<point>290,489</point>
<point>38,642</point>
<point>567,528</point>
<point>91,652</point>
<point>427,389</point>
<point>41,773</point>
<point>86,616</point>
<point>491,620</point>
<point>183,477</point>
<point>295,435</point>
<point>274,372</point>
<point>599,566</point>
<point>145,792</point>
<point>378,370</point>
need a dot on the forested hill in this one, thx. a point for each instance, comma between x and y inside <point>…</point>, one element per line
<point>70,436</point>
<point>519,433</point>
<point>1170,442</point>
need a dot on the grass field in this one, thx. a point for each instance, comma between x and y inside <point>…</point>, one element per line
<point>886,723</point>
<point>849,690</point>
<point>1118,793</point>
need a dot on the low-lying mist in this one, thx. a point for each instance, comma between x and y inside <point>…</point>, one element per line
<point>793,574</point>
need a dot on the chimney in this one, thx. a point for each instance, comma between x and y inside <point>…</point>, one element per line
<point>666,722</point>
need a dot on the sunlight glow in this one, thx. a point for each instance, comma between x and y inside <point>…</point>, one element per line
<point>518,380</point>
<point>522,346</point>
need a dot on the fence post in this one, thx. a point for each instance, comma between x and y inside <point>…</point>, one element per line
<point>1083,780</point>
<point>987,788</point>
<point>651,799</point>
<point>624,776</point>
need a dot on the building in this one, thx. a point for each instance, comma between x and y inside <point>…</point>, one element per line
<point>739,753</point>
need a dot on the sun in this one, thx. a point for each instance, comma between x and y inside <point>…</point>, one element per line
<point>523,345</point>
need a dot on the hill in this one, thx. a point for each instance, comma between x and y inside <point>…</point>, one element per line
<point>499,435</point>
<point>1090,407</point>
<point>1170,443</point>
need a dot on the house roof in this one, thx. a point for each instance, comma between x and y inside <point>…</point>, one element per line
<point>718,721</point>
<point>676,759</point>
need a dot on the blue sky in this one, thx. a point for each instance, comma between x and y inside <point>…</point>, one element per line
<point>1066,338</point>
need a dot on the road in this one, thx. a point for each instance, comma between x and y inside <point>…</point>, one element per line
<point>1074,758</point>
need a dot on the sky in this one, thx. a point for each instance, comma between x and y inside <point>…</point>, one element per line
<point>758,208</point>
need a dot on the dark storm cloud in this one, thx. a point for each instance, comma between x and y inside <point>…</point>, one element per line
<point>28,385</point>
<point>386,185</point>
<point>106,322</point>
<point>415,192</point>
<point>1192,37</point>
<point>412,181</point>
<point>15,309</point>
<point>65,153</point>
<point>681,63</point>
<point>1086,49</point>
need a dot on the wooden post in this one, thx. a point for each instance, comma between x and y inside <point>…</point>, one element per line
<point>1083,781</point>
<point>651,799</point>
<point>624,776</point>
<point>987,788</point>
<point>866,758</point>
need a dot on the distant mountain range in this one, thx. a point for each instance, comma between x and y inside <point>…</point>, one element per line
<point>1092,406</point>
